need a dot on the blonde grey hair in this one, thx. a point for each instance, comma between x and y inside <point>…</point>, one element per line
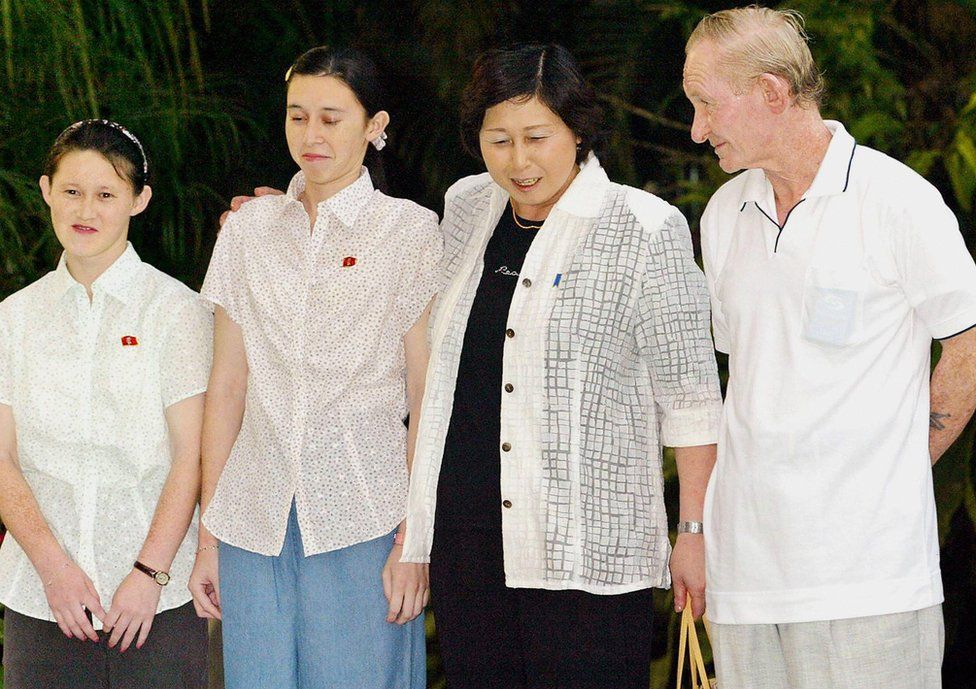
<point>760,40</point>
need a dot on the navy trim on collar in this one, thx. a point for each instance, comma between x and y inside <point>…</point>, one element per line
<point>847,179</point>
<point>772,220</point>
<point>825,182</point>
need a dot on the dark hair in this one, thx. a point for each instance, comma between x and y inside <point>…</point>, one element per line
<point>357,71</point>
<point>119,146</point>
<point>522,71</point>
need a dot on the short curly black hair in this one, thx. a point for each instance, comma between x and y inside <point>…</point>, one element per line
<point>519,72</point>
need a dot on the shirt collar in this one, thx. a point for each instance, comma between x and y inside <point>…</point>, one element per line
<point>347,204</point>
<point>584,196</point>
<point>835,170</point>
<point>833,175</point>
<point>117,280</point>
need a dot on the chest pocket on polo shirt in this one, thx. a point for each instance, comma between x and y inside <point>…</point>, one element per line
<point>833,305</point>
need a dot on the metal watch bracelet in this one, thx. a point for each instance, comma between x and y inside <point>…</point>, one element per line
<point>690,527</point>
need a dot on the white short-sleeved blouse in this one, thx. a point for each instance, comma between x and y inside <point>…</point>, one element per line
<point>88,384</point>
<point>323,312</point>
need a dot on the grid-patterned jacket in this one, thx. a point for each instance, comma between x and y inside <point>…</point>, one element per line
<point>608,355</point>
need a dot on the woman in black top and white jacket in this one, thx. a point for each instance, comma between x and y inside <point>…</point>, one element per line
<point>569,342</point>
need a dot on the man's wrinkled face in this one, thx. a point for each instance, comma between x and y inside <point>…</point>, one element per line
<point>729,114</point>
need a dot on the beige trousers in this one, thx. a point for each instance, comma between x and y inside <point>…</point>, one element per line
<point>899,651</point>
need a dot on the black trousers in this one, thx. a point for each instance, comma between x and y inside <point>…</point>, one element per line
<point>497,637</point>
<point>37,655</point>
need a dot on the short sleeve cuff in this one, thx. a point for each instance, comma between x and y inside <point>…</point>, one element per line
<point>414,306</point>
<point>185,366</point>
<point>426,280</point>
<point>691,427</point>
<point>214,299</point>
<point>221,282</point>
<point>959,323</point>
<point>179,397</point>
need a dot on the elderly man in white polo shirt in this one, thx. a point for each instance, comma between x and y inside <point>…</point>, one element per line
<point>831,268</point>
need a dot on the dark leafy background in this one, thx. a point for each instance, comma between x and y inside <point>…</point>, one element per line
<point>201,82</point>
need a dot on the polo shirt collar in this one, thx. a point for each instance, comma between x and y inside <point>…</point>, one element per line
<point>834,173</point>
<point>832,176</point>
<point>347,204</point>
<point>757,188</point>
<point>118,280</point>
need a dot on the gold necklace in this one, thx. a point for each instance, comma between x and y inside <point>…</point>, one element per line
<point>524,227</point>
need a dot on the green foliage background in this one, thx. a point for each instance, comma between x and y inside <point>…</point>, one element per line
<point>201,83</point>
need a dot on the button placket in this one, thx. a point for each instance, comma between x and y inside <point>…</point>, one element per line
<point>90,316</point>
<point>298,353</point>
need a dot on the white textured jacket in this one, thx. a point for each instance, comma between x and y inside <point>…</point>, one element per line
<point>609,357</point>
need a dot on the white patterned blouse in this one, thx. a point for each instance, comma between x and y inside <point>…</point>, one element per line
<point>609,356</point>
<point>323,311</point>
<point>88,384</point>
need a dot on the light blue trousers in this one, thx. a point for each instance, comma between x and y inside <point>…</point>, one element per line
<point>319,622</point>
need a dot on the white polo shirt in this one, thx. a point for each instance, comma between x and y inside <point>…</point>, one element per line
<point>88,384</point>
<point>821,505</point>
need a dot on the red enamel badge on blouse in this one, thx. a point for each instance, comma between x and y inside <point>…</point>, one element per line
<point>129,341</point>
<point>348,261</point>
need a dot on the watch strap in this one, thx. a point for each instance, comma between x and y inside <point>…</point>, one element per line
<point>160,577</point>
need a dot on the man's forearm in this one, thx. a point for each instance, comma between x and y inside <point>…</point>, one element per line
<point>694,468</point>
<point>953,392</point>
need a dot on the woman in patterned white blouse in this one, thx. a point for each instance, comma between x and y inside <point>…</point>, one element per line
<point>569,342</point>
<point>103,365</point>
<point>320,351</point>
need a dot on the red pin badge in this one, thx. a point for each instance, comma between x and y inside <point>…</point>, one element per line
<point>129,341</point>
<point>348,261</point>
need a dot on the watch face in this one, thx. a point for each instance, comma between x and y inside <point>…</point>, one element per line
<point>162,578</point>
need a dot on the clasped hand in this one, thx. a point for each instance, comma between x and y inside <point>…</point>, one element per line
<point>70,593</point>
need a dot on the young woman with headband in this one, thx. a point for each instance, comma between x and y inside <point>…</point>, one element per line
<point>320,351</point>
<point>103,365</point>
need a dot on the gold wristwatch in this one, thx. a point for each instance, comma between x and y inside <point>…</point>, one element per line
<point>161,578</point>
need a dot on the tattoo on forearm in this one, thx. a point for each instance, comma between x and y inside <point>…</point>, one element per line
<point>935,420</point>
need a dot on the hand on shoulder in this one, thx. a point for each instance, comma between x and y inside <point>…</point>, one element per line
<point>238,201</point>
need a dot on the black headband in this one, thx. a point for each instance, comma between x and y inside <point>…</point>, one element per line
<point>114,125</point>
